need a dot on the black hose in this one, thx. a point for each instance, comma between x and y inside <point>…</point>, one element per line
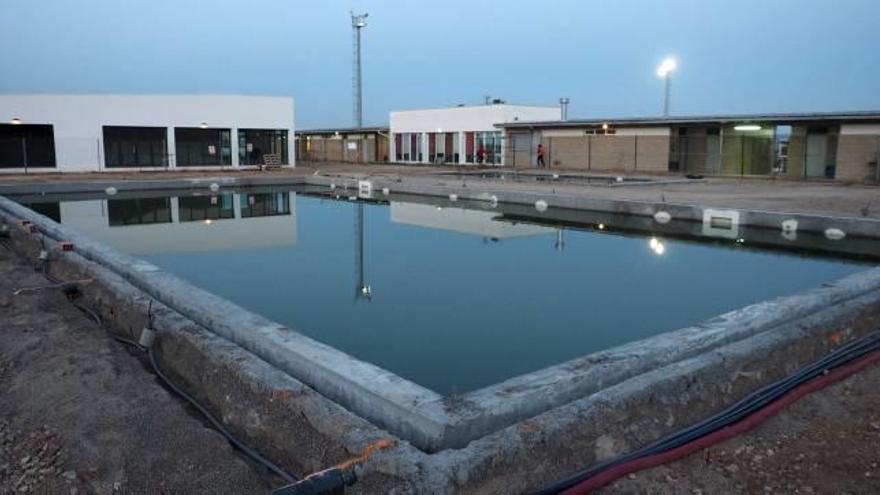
<point>210,417</point>
<point>229,436</point>
<point>745,407</point>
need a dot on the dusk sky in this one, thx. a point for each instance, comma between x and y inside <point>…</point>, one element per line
<point>734,56</point>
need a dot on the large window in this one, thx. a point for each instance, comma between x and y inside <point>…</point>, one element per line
<point>196,146</point>
<point>265,204</point>
<point>135,146</point>
<point>26,145</point>
<point>254,143</point>
<point>195,208</point>
<point>443,147</point>
<point>755,148</point>
<point>139,211</point>
<point>488,147</point>
<point>408,146</point>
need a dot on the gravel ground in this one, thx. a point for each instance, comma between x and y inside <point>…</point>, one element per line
<point>80,414</point>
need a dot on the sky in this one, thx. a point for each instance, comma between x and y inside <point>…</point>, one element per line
<point>734,56</point>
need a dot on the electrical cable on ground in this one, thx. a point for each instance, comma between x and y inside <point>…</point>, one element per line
<point>742,416</point>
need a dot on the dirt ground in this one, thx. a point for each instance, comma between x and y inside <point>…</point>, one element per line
<point>80,414</point>
<point>826,443</point>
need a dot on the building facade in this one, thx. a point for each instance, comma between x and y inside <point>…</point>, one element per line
<point>459,135</point>
<point>347,145</point>
<point>829,146</point>
<point>81,133</point>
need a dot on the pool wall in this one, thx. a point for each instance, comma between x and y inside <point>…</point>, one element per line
<point>494,191</point>
<point>597,405</point>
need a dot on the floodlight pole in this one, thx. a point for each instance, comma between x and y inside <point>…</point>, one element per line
<point>358,22</point>
<point>666,83</point>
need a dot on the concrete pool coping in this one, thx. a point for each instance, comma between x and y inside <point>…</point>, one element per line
<point>428,420</point>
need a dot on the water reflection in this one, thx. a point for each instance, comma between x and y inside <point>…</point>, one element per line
<point>185,223</point>
<point>138,211</point>
<point>206,208</point>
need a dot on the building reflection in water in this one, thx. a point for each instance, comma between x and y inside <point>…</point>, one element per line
<point>193,223</point>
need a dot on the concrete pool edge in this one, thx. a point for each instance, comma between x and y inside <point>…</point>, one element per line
<point>498,192</point>
<point>421,416</point>
<point>513,459</point>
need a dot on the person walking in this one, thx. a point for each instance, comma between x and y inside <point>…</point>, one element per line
<point>540,152</point>
<point>481,154</point>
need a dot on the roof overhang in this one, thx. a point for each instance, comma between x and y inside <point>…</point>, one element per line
<point>776,118</point>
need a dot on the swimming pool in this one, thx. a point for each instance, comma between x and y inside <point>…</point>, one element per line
<point>453,297</point>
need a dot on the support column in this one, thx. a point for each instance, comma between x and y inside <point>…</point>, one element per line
<point>292,146</point>
<point>233,145</point>
<point>462,147</point>
<point>392,148</point>
<point>175,210</point>
<point>171,152</point>
<point>236,204</point>
<point>423,137</point>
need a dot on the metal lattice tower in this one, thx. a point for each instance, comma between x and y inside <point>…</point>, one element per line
<point>358,22</point>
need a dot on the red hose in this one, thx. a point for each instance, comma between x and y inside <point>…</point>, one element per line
<point>742,426</point>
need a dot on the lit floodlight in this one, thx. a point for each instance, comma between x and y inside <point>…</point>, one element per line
<point>667,67</point>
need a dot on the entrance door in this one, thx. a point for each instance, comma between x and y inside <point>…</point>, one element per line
<point>817,153</point>
<point>713,153</point>
<point>520,149</point>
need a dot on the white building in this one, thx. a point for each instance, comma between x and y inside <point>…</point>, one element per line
<point>142,132</point>
<point>463,134</point>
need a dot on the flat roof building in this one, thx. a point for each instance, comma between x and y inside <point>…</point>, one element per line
<point>841,145</point>
<point>103,132</point>
<point>459,135</point>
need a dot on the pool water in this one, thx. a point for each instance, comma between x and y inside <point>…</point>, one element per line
<point>450,298</point>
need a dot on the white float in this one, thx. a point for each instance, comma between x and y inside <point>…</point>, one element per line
<point>541,205</point>
<point>386,191</point>
<point>789,225</point>
<point>662,217</point>
<point>214,187</point>
<point>453,197</point>
<point>111,191</point>
<point>835,234</point>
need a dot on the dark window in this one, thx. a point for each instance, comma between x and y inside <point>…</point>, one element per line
<point>135,146</point>
<point>254,143</point>
<point>195,208</point>
<point>27,145</point>
<point>195,146</point>
<point>51,210</point>
<point>139,211</point>
<point>265,204</point>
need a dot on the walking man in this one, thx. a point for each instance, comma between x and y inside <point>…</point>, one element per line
<point>541,156</point>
